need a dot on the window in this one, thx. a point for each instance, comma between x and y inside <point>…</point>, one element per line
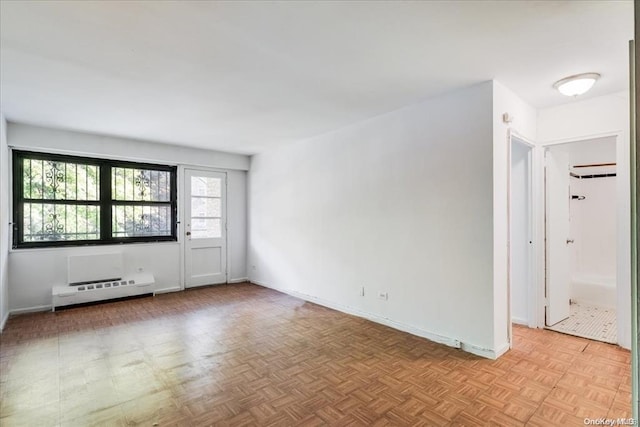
<point>206,207</point>
<point>64,200</point>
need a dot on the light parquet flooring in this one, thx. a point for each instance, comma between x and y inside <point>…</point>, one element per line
<point>241,355</point>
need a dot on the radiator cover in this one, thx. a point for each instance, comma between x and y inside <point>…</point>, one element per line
<point>137,284</point>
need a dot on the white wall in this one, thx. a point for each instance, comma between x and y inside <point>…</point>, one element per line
<point>520,233</point>
<point>30,287</point>
<point>237,225</point>
<point>593,227</point>
<point>63,141</point>
<point>524,124</point>
<point>400,203</point>
<point>4,223</point>
<point>586,119</point>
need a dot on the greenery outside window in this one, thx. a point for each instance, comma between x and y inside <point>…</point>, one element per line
<point>64,200</point>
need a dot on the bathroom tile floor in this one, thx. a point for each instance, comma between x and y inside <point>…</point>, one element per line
<point>589,321</point>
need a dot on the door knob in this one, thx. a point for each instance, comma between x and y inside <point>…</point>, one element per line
<point>569,241</point>
<point>188,233</point>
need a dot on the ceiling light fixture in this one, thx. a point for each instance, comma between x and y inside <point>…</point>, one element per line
<point>576,85</point>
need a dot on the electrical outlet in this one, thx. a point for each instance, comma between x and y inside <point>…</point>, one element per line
<point>383,295</point>
<point>140,269</point>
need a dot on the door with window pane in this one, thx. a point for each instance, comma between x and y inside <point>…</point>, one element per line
<point>205,228</point>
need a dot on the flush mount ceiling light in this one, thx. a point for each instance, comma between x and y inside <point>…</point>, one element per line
<point>576,85</point>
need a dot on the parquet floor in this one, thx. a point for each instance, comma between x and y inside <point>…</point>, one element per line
<point>244,355</point>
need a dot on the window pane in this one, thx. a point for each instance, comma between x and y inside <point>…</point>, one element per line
<point>140,185</point>
<point>205,228</point>
<point>58,198</point>
<point>204,206</point>
<point>49,222</point>
<point>136,221</point>
<point>206,186</point>
<point>54,180</point>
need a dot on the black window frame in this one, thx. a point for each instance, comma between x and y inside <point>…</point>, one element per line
<point>105,201</point>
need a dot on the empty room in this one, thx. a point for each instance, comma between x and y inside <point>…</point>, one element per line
<point>283,213</point>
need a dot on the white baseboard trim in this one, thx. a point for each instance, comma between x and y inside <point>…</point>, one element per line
<point>520,321</point>
<point>238,280</point>
<point>501,350</point>
<point>34,309</point>
<point>4,321</point>
<point>441,339</point>
<point>167,290</point>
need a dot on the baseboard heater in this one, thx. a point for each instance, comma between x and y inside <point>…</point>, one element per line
<point>93,278</point>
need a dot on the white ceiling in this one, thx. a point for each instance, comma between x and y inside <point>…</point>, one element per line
<point>244,76</point>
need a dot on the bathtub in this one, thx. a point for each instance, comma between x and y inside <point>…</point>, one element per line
<point>594,290</point>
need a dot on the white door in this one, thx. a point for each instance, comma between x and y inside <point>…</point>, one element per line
<point>205,228</point>
<point>557,237</point>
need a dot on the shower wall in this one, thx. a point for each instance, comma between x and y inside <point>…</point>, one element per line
<point>593,230</point>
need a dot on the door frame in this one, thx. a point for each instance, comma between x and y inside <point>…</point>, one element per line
<point>621,228</point>
<point>181,215</point>
<point>516,138</point>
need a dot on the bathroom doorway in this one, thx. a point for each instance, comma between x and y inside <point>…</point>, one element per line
<point>580,247</point>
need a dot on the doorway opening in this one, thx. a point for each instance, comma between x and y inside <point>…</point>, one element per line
<point>580,239</point>
<point>521,255</point>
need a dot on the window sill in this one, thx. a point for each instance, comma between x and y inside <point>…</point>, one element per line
<point>93,247</point>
